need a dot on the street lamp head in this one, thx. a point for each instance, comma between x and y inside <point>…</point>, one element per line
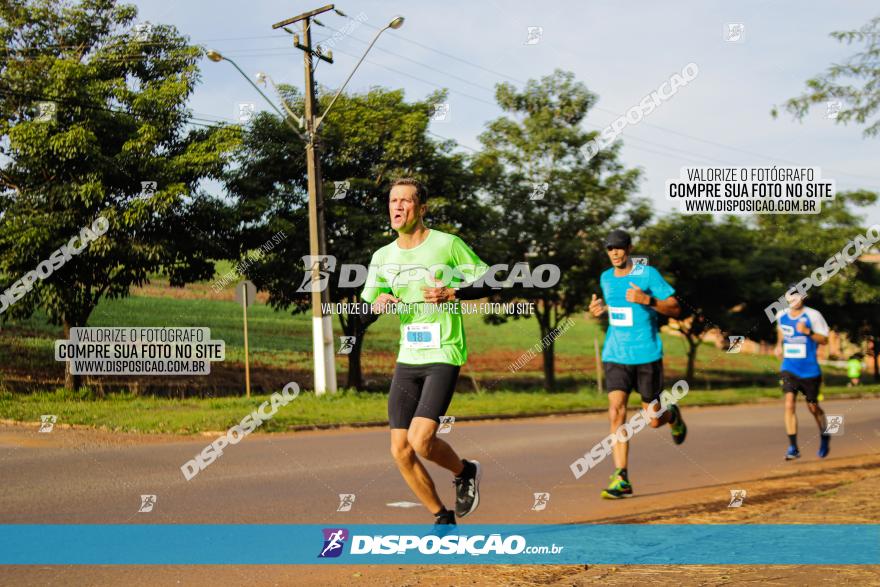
<point>396,23</point>
<point>214,56</point>
<point>261,77</point>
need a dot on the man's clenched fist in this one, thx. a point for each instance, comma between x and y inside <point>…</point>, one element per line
<point>597,306</point>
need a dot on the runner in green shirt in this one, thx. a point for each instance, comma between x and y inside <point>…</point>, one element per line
<point>854,370</point>
<point>420,277</point>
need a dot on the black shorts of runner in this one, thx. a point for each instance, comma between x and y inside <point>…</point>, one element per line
<point>646,378</point>
<point>420,390</point>
<point>809,386</point>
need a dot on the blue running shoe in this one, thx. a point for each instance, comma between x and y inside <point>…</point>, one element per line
<point>792,454</point>
<point>824,449</point>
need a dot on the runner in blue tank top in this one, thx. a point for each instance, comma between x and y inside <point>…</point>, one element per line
<point>632,355</point>
<point>801,331</point>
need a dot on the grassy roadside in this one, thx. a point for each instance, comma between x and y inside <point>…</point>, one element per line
<point>278,340</point>
<point>128,413</point>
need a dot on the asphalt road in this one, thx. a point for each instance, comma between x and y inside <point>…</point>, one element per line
<point>297,478</point>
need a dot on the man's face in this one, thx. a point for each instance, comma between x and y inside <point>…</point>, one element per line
<point>404,208</point>
<point>795,300</point>
<point>618,256</point>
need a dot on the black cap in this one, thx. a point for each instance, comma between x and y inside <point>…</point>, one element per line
<point>618,239</point>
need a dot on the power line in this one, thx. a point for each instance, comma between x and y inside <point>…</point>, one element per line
<point>462,145</point>
<point>272,51</point>
<point>600,109</point>
<point>491,90</point>
<point>424,81</point>
<point>449,55</point>
<point>405,58</point>
<point>188,119</point>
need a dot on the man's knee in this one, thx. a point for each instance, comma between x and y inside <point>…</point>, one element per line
<point>617,413</point>
<point>813,407</point>
<point>790,402</point>
<point>421,443</point>
<point>402,451</point>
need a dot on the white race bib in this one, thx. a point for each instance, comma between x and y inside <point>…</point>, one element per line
<point>620,316</point>
<point>794,350</point>
<point>421,336</point>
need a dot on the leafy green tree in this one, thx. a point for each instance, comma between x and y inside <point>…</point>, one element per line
<point>710,264</point>
<point>854,84</point>
<point>726,272</point>
<point>367,140</point>
<point>793,246</point>
<point>537,145</point>
<point>857,312</point>
<point>113,115</point>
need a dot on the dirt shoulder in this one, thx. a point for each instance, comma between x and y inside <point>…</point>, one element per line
<point>835,492</point>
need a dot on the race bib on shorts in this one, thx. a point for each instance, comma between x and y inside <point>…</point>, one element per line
<point>421,336</point>
<point>794,350</point>
<point>620,316</point>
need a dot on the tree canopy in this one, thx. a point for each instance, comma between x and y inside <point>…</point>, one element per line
<point>90,107</point>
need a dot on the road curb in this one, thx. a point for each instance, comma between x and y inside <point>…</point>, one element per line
<point>490,417</point>
<point>384,423</point>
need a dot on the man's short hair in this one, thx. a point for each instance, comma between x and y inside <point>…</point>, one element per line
<point>421,190</point>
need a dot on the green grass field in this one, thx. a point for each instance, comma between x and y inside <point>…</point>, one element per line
<point>280,348</point>
<point>281,340</point>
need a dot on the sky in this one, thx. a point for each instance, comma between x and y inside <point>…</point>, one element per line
<point>620,50</point>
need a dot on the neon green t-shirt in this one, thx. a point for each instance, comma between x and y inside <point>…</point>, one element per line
<point>429,333</point>
<point>854,368</point>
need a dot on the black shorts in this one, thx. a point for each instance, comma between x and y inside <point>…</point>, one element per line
<point>809,386</point>
<point>646,378</point>
<point>420,390</point>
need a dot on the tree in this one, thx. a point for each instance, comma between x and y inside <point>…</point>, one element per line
<point>854,84</point>
<point>367,140</point>
<point>119,100</point>
<point>707,263</point>
<point>788,248</point>
<point>538,145</point>
<point>857,312</point>
<point>851,299</point>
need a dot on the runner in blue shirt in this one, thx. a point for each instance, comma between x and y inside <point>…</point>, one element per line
<point>801,331</point>
<point>632,355</point>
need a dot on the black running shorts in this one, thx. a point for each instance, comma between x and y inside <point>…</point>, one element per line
<point>420,390</point>
<point>646,378</point>
<point>809,386</point>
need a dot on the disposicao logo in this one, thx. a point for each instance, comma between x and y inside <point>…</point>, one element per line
<point>334,540</point>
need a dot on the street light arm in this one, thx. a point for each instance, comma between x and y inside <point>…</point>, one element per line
<point>333,101</point>
<point>259,91</point>
<point>284,105</point>
<point>265,97</point>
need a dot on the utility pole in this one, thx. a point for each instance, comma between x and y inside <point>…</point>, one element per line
<point>322,325</point>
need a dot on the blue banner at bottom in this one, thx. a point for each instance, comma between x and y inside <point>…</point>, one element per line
<point>690,544</point>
